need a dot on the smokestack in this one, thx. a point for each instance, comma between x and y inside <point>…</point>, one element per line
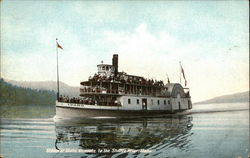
<point>115,63</point>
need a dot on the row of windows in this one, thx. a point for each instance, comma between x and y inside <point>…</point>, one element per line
<point>107,68</point>
<point>152,101</point>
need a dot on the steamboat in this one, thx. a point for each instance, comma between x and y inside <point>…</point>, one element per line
<point>110,93</point>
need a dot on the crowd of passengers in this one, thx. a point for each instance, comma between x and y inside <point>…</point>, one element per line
<point>97,90</point>
<point>124,78</point>
<point>88,101</point>
<point>67,99</point>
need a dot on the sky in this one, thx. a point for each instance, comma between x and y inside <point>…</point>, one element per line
<point>210,38</point>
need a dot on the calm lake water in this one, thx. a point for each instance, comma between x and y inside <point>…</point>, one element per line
<point>208,131</point>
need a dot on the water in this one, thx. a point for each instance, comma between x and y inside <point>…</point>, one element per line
<point>215,130</point>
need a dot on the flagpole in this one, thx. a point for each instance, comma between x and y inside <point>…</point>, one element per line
<point>57,71</point>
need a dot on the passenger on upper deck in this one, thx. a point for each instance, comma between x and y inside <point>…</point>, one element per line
<point>124,78</point>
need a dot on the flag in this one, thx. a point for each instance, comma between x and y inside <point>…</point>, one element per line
<point>58,45</point>
<point>183,73</point>
<point>168,79</point>
<point>182,70</point>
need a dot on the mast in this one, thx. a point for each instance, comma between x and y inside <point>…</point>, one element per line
<point>57,67</point>
<point>57,70</point>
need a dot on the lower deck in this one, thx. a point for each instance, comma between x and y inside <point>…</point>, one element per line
<point>74,112</point>
<point>128,105</point>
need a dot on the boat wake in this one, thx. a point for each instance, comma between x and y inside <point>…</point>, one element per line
<point>209,111</point>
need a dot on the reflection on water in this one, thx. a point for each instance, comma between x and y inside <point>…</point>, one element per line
<point>112,135</point>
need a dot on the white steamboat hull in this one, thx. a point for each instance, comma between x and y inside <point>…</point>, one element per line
<point>70,112</point>
<point>74,110</point>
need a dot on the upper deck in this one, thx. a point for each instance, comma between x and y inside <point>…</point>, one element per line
<point>109,82</point>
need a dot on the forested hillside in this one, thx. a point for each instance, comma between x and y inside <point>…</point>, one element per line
<point>65,89</point>
<point>14,95</point>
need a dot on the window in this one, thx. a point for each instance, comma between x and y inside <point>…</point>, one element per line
<point>138,102</point>
<point>129,101</point>
<point>158,102</point>
<point>107,68</point>
<point>165,102</point>
<point>152,101</point>
<point>168,101</point>
<point>103,68</point>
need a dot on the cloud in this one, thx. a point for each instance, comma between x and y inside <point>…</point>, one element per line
<point>154,55</point>
<point>141,51</point>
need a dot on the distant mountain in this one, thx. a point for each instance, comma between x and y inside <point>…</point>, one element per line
<point>48,85</point>
<point>231,98</point>
<point>14,95</point>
